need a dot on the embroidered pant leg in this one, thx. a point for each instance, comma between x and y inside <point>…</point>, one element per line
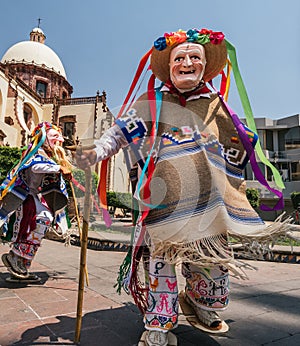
<point>162,312</point>
<point>29,231</point>
<point>208,288</point>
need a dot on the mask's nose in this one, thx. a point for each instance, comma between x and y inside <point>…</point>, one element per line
<point>187,61</point>
<point>60,138</point>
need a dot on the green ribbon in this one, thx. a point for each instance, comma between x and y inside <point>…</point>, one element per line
<point>249,114</point>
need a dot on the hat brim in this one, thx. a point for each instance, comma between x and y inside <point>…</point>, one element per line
<point>216,58</point>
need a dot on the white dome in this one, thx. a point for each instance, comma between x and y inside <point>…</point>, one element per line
<point>36,53</point>
<point>39,30</point>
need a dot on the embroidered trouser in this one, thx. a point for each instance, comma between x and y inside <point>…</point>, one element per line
<point>32,220</point>
<point>208,288</point>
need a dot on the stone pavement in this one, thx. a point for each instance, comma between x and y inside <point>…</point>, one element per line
<point>264,310</point>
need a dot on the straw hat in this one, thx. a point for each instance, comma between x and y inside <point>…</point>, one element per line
<point>213,43</point>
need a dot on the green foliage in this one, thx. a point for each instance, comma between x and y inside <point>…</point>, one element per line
<point>119,200</point>
<point>295,197</point>
<point>79,175</point>
<point>9,157</point>
<point>253,197</point>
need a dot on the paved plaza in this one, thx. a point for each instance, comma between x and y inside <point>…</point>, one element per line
<point>264,310</point>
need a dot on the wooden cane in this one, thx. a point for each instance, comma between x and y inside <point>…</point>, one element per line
<point>79,228</point>
<point>84,240</point>
<point>76,209</point>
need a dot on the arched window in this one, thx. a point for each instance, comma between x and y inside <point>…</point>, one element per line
<point>41,88</point>
<point>30,116</point>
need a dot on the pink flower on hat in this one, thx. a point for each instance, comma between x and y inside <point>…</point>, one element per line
<point>216,37</point>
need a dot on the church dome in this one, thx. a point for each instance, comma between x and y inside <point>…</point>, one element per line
<point>39,30</point>
<point>34,52</point>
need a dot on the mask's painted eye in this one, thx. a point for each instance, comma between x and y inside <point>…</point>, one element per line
<point>178,59</point>
<point>195,57</point>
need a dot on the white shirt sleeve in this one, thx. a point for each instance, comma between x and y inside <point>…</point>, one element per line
<point>45,168</point>
<point>110,143</point>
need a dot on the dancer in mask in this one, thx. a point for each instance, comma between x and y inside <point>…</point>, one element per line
<point>33,199</point>
<point>190,150</point>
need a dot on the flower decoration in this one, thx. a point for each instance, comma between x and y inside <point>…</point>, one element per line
<point>216,37</point>
<point>205,32</point>
<point>160,43</point>
<point>175,37</point>
<point>202,36</point>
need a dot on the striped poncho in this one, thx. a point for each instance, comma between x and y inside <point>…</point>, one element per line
<point>197,190</point>
<point>198,193</point>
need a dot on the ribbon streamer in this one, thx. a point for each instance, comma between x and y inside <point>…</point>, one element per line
<point>32,150</point>
<point>248,112</point>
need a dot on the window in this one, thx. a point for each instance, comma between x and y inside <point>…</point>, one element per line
<point>68,130</point>
<point>28,117</point>
<point>67,124</point>
<point>269,140</point>
<point>292,138</point>
<point>261,135</point>
<point>8,120</point>
<point>295,170</point>
<point>41,88</point>
<point>281,140</point>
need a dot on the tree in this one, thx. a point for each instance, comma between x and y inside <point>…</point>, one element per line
<point>253,197</point>
<point>79,175</point>
<point>121,200</point>
<point>9,157</point>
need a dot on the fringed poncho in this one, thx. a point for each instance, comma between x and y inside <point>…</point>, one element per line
<point>198,193</point>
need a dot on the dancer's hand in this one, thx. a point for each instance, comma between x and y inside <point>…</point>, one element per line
<point>66,173</point>
<point>86,158</point>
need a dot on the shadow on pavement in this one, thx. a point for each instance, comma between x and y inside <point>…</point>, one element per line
<point>113,327</point>
<point>21,284</point>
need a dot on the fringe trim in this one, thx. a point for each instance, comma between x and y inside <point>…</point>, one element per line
<point>216,250</point>
<point>138,290</point>
<point>122,279</point>
<point>260,243</point>
<point>205,253</point>
<point>128,279</point>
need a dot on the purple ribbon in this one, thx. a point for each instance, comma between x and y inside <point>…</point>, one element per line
<point>251,154</point>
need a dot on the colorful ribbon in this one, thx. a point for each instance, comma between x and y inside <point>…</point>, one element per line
<point>32,150</point>
<point>251,154</point>
<point>248,112</point>
<point>82,188</point>
<point>104,164</point>
<point>155,102</point>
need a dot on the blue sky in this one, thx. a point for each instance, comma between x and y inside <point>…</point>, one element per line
<point>100,43</point>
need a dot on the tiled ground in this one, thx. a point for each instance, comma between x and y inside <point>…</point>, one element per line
<point>27,307</point>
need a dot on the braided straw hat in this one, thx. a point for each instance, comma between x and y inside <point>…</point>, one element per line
<point>213,43</point>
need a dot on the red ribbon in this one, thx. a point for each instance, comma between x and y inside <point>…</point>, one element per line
<point>223,83</point>
<point>104,164</point>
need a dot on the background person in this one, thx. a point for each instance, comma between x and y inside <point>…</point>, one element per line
<point>38,192</point>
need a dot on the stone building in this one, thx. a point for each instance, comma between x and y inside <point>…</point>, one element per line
<point>34,88</point>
